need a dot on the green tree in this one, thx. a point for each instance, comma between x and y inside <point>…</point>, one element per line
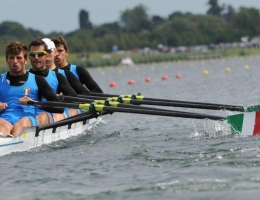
<point>135,20</point>
<point>13,29</point>
<point>214,9</point>
<point>246,22</point>
<point>84,22</point>
<point>100,31</point>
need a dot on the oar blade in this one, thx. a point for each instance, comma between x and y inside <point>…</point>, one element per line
<point>247,123</point>
<point>253,108</point>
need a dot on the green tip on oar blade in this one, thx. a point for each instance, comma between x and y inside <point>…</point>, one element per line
<point>253,108</point>
<point>235,122</point>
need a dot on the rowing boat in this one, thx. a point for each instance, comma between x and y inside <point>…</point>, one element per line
<point>36,136</point>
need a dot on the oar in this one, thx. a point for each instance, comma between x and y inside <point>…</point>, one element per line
<point>172,103</point>
<point>246,123</point>
<point>109,102</point>
<point>177,103</point>
<point>100,108</point>
<point>253,108</point>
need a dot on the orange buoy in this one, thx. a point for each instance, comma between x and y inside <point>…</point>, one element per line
<point>131,82</point>
<point>148,79</point>
<point>112,84</point>
<point>178,76</point>
<point>164,77</point>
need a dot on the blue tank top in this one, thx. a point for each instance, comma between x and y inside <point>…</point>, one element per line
<point>73,69</point>
<point>61,71</point>
<point>11,94</point>
<point>54,83</point>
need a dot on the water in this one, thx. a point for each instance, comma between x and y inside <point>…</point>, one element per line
<point>151,157</point>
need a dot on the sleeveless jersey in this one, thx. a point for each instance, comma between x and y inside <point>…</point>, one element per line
<point>11,94</point>
<point>73,69</point>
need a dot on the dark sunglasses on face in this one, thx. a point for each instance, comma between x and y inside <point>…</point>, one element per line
<point>37,53</point>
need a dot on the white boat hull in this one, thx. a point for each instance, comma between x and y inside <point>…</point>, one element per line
<point>28,139</point>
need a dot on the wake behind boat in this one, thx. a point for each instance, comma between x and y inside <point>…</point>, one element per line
<point>38,135</point>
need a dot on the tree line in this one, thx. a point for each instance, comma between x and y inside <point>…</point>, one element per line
<point>136,29</point>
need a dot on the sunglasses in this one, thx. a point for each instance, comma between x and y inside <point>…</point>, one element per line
<point>37,53</point>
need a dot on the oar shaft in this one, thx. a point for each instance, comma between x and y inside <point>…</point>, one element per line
<point>101,108</point>
<point>167,102</point>
<point>185,105</point>
<point>162,113</point>
<point>83,100</point>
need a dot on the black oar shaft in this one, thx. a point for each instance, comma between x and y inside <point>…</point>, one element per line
<point>162,113</point>
<point>179,104</point>
<point>83,100</point>
<point>185,105</point>
<point>132,110</point>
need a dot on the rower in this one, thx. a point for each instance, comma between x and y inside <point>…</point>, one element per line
<point>38,54</point>
<point>80,72</point>
<point>73,81</point>
<point>19,86</point>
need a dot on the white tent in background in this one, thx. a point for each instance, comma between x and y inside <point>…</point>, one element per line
<point>127,61</point>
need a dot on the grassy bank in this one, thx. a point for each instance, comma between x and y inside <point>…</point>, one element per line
<point>112,59</point>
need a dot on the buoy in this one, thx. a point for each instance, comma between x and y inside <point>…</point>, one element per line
<point>131,82</point>
<point>164,77</point>
<point>148,79</point>
<point>112,84</point>
<point>227,69</point>
<point>178,76</point>
<point>246,67</point>
<point>205,72</point>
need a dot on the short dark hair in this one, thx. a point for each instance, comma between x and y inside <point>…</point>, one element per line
<point>38,42</point>
<point>15,48</point>
<point>60,41</point>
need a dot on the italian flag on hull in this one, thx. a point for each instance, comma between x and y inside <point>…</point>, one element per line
<point>247,123</point>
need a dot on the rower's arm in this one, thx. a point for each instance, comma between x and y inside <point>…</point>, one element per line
<point>64,86</point>
<point>75,83</point>
<point>86,79</point>
<point>44,90</point>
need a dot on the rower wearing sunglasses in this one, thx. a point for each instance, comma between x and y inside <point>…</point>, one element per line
<point>80,72</point>
<point>19,86</point>
<point>38,54</point>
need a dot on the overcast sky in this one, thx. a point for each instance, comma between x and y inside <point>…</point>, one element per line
<point>62,15</point>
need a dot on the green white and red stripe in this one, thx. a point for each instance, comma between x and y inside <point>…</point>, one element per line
<point>26,91</point>
<point>247,123</point>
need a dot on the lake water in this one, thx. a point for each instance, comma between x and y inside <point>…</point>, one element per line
<point>135,156</point>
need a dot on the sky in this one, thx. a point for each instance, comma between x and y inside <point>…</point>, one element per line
<point>63,15</point>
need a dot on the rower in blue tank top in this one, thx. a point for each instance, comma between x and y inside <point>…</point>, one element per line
<point>54,83</point>
<point>57,81</point>
<point>17,87</point>
<point>80,72</point>
<point>11,94</point>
